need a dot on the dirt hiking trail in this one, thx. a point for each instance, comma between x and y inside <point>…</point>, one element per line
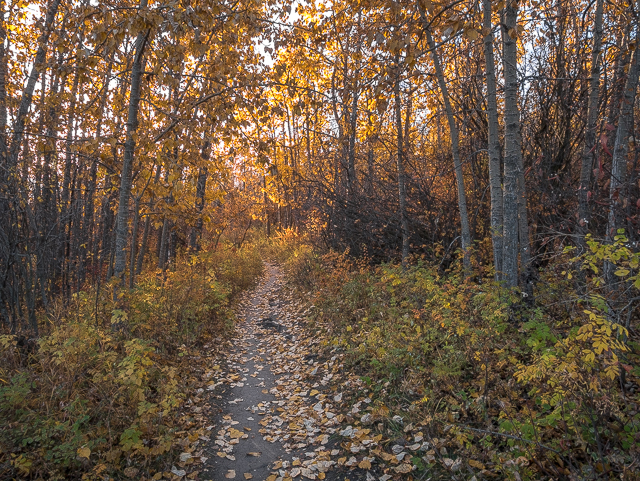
<point>280,406</point>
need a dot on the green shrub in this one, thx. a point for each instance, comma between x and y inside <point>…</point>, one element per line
<point>93,399</point>
<point>493,377</point>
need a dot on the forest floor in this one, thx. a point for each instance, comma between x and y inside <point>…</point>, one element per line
<point>282,411</point>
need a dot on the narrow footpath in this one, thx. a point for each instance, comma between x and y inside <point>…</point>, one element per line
<point>280,413</point>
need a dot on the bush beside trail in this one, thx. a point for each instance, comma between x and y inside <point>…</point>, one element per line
<point>102,391</point>
<point>498,387</point>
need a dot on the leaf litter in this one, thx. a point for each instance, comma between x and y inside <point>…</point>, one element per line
<point>314,420</point>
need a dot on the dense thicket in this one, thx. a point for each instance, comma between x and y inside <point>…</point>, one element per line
<point>380,125</point>
<point>114,142</point>
<point>496,135</point>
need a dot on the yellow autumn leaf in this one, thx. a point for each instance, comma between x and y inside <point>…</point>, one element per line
<point>84,452</point>
<point>472,34</point>
<point>403,468</point>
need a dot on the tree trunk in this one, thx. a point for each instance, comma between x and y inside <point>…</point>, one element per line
<point>353,131</point>
<point>465,232</point>
<point>495,167</point>
<point>122,221</point>
<point>68,184</point>
<point>370,167</point>
<point>615,90</point>
<point>196,231</point>
<point>402,193</point>
<point>515,210</point>
<point>90,236</point>
<point>617,194</point>
<point>27,93</point>
<point>134,241</point>
<point>266,205</point>
<point>589,150</point>
<point>143,245</point>
<point>164,244</point>
<point>106,226</point>
<point>3,94</point>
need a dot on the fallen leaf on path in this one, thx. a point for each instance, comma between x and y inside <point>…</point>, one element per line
<point>403,468</point>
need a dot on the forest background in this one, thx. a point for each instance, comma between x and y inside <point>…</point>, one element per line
<point>455,182</point>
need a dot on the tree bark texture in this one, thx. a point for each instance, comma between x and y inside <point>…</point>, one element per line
<point>122,220</point>
<point>589,149</point>
<point>515,229</point>
<point>617,197</point>
<point>493,147</point>
<point>402,192</point>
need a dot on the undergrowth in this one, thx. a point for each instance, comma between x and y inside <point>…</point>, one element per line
<point>101,393</point>
<point>503,388</point>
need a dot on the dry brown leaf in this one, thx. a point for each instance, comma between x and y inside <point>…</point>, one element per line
<point>403,468</point>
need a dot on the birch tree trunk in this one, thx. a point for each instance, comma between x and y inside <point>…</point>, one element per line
<point>617,198</point>
<point>588,153</point>
<point>402,192</point>
<point>515,221</point>
<point>3,93</point>
<point>27,93</point>
<point>523,226</point>
<point>495,161</point>
<point>91,239</point>
<point>122,220</point>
